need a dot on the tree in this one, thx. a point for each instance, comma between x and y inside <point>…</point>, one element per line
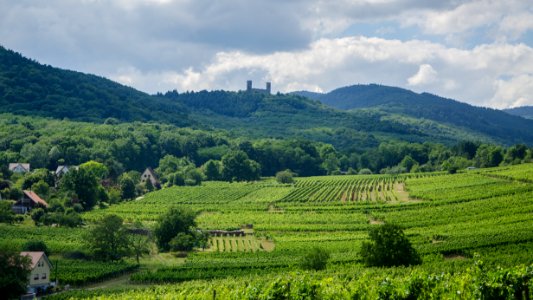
<point>14,272</point>
<point>236,166</point>
<point>316,259</point>
<point>84,183</point>
<point>127,187</point>
<point>175,221</point>
<point>285,177</point>
<point>108,240</point>
<point>99,170</point>
<point>140,240</point>
<point>388,247</point>
<point>212,169</point>
<point>6,213</point>
<point>408,163</point>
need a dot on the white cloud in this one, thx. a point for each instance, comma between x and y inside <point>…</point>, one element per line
<point>425,75</point>
<point>467,75</point>
<point>514,92</point>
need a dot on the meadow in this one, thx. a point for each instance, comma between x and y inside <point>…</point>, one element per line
<point>474,231</point>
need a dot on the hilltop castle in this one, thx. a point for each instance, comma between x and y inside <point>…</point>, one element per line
<point>249,88</point>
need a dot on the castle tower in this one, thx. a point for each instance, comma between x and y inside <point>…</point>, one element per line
<point>249,86</point>
<point>268,87</point>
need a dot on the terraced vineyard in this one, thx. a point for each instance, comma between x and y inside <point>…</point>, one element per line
<point>349,189</point>
<point>452,220</point>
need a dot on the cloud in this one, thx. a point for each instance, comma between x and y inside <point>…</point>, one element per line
<point>426,74</point>
<point>467,75</point>
<point>479,47</point>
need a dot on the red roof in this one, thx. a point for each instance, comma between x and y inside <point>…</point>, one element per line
<point>35,198</point>
<point>35,257</point>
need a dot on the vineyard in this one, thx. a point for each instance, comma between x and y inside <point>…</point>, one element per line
<point>453,221</point>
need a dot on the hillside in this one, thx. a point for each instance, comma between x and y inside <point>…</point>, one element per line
<point>497,124</point>
<point>389,114</point>
<point>524,111</point>
<point>258,115</point>
<point>30,88</point>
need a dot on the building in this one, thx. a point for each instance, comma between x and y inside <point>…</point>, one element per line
<point>19,167</point>
<point>63,169</point>
<point>249,88</point>
<point>39,279</point>
<point>149,174</point>
<point>28,201</point>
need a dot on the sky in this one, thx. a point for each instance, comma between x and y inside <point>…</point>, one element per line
<point>479,51</point>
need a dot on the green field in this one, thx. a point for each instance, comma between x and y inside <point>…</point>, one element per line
<point>454,221</point>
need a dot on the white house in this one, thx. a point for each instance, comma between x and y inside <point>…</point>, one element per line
<point>63,169</point>
<point>149,174</point>
<point>19,167</point>
<point>39,279</point>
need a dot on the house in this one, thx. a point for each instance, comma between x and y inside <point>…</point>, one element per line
<point>28,201</point>
<point>39,279</point>
<point>63,169</point>
<point>19,167</point>
<point>149,174</point>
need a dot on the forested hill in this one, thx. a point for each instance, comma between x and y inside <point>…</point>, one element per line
<point>495,123</point>
<point>30,88</point>
<point>524,111</point>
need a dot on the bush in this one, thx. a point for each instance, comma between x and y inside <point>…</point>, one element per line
<point>182,242</point>
<point>36,245</point>
<point>285,177</point>
<point>389,247</point>
<point>175,221</point>
<point>316,259</point>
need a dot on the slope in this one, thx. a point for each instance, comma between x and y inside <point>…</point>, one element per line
<point>523,111</point>
<point>30,88</point>
<point>497,124</point>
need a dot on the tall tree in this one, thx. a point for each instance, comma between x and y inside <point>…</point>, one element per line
<point>14,272</point>
<point>236,166</point>
<point>108,240</point>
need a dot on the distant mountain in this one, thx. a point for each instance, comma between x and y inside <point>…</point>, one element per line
<point>361,118</point>
<point>524,111</point>
<point>30,88</point>
<point>497,124</point>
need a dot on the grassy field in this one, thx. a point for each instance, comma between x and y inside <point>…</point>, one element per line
<point>454,221</point>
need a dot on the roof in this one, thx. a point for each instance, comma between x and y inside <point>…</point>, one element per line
<point>152,172</point>
<point>35,257</point>
<point>13,166</point>
<point>64,168</point>
<point>35,198</point>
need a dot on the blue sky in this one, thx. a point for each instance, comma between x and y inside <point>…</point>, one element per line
<point>480,52</point>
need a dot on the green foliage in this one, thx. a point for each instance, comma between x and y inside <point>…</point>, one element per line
<point>6,213</point>
<point>236,166</point>
<point>389,247</point>
<point>14,272</point>
<point>85,186</point>
<point>175,221</point>
<point>127,187</point>
<point>316,259</point>
<point>108,240</point>
<point>182,242</point>
<point>285,177</point>
<point>36,245</point>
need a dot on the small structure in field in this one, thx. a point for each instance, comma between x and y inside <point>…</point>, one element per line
<point>28,201</point>
<point>39,279</point>
<point>64,169</point>
<point>149,174</point>
<point>19,167</point>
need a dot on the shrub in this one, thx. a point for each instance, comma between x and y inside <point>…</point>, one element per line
<point>316,259</point>
<point>389,247</point>
<point>285,177</point>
